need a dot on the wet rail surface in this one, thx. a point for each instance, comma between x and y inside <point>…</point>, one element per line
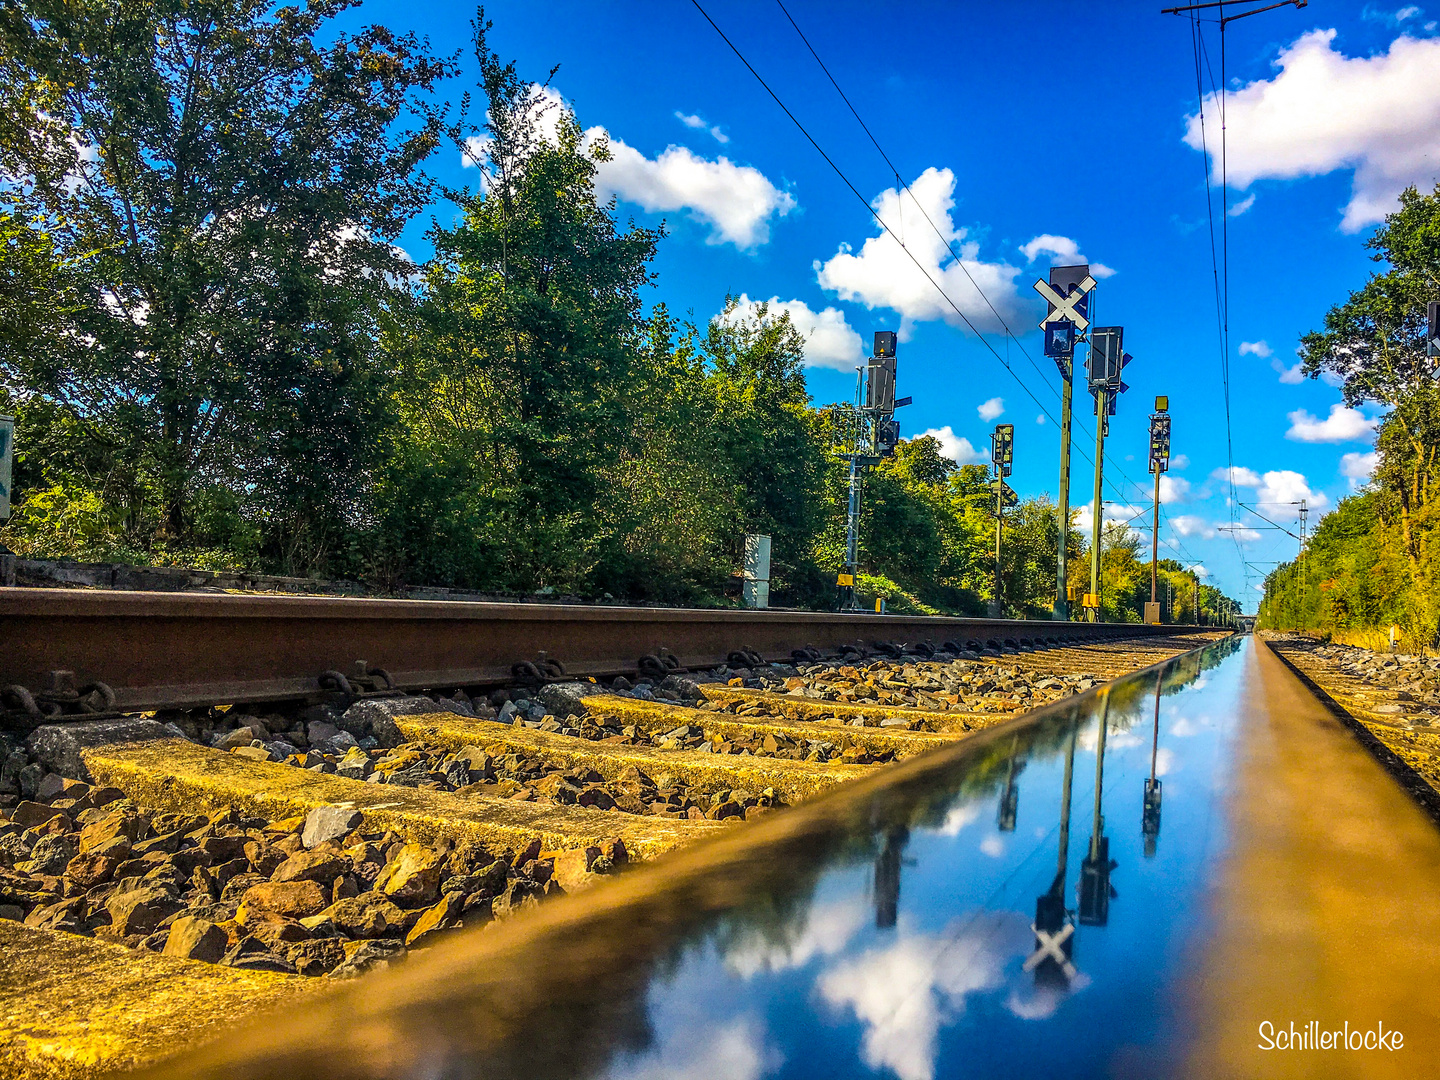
<point>1132,898</point>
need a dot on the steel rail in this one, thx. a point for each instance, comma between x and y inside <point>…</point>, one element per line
<point>178,650</point>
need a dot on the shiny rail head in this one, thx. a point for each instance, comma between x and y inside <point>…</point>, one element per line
<point>565,991</point>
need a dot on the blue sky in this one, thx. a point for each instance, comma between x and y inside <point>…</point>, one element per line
<point>1027,132</point>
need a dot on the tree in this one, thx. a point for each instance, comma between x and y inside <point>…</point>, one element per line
<point>1374,341</point>
<point>224,192</point>
<point>518,387</point>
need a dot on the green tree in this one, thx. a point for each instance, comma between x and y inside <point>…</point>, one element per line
<point>1374,342</point>
<point>518,387</point>
<point>224,190</point>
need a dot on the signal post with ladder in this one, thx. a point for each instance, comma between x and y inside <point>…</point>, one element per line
<point>1159,463</point>
<point>1104,365</point>
<point>1068,294</point>
<point>874,433</point>
<point>1002,455</point>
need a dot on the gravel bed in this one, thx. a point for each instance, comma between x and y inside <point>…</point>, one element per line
<point>1411,684</point>
<point>314,895</point>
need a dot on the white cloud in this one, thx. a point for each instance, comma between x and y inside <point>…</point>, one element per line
<point>1063,252</point>
<point>1240,475</point>
<point>828,929</point>
<point>1282,486</point>
<point>546,107</point>
<point>698,124</point>
<point>1291,376</point>
<point>705,1051</point>
<point>1242,206</point>
<point>904,992</point>
<point>1276,489</point>
<point>1192,525</point>
<point>1199,570</point>
<point>1174,489</point>
<point>1180,461</point>
<point>989,410</point>
<point>958,817</point>
<point>955,447</point>
<point>1391,18</point>
<point>1376,115</point>
<point>1255,348</point>
<point>830,341</point>
<point>1344,424</point>
<point>882,275</point>
<point>1358,468</point>
<point>992,846</point>
<point>1040,418</point>
<point>737,202</point>
<point>1115,513</point>
<point>1164,761</point>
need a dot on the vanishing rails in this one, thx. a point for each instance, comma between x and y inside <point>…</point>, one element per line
<point>178,650</point>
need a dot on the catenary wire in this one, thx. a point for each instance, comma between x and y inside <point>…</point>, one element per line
<point>1118,489</point>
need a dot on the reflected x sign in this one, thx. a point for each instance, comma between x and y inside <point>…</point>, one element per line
<point>1064,307</point>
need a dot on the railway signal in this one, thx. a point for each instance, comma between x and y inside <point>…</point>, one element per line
<point>1103,368</point>
<point>1159,463</point>
<point>1432,328</point>
<point>1002,456</point>
<point>1053,927</point>
<point>1096,892</point>
<point>1067,293</point>
<point>1150,809</point>
<point>874,434</point>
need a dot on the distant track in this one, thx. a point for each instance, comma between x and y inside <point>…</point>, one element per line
<point>175,650</point>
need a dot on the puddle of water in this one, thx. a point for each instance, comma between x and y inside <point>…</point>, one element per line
<point>1008,922</point>
<point>1030,902</point>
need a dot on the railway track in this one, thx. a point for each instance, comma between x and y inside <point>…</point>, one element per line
<point>268,829</point>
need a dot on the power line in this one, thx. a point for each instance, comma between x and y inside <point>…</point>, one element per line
<point>872,212</point>
<point>948,242</point>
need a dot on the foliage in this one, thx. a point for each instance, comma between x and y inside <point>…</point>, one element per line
<point>1373,560</point>
<point>216,355</point>
<point>215,193</point>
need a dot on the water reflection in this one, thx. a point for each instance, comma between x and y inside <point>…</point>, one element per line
<point>928,927</point>
<point>1150,808</point>
<point>887,876</point>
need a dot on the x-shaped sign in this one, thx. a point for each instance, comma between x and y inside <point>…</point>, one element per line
<point>1065,305</point>
<point>1048,945</point>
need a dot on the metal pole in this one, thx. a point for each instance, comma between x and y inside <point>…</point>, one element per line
<point>997,608</point>
<point>1155,541</point>
<point>1098,524</point>
<point>1065,804</point>
<point>852,517</point>
<point>1098,826</point>
<point>1062,604</point>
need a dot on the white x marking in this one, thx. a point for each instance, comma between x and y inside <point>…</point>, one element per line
<point>1049,945</point>
<point>1065,305</point>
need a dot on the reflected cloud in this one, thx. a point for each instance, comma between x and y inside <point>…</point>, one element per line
<point>1114,740</point>
<point>735,1050</point>
<point>1182,728</point>
<point>828,929</point>
<point>1164,761</point>
<point>958,817</point>
<point>1031,1002</point>
<point>904,993</point>
<point>992,846</point>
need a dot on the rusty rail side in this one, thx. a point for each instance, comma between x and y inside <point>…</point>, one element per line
<point>177,650</point>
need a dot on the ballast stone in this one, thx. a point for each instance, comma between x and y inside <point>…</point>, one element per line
<point>565,699</point>
<point>376,717</point>
<point>59,747</point>
<point>329,823</point>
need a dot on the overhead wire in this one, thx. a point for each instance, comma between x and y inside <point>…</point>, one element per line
<point>904,186</point>
<point>1219,260</point>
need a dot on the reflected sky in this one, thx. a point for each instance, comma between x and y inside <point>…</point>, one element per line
<point>1004,922</point>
